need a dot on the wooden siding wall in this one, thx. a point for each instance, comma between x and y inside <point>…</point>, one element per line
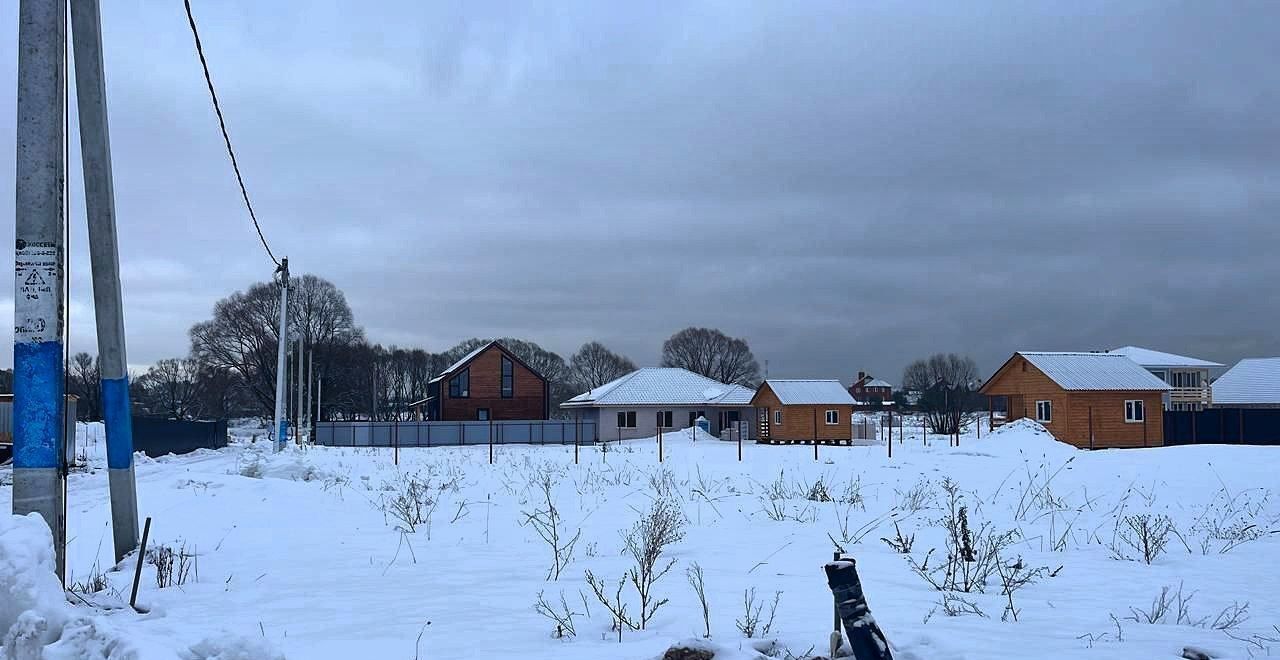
<point>528,400</point>
<point>1070,421</point>
<point>798,420</point>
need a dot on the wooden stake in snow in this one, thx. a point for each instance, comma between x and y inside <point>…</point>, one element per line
<point>137,572</point>
<point>865,638</point>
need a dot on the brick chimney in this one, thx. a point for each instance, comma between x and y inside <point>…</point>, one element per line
<point>861,375</point>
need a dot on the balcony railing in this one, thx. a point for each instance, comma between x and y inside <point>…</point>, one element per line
<point>1201,394</point>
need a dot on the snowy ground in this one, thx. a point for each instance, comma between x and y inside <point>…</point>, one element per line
<point>296,553</point>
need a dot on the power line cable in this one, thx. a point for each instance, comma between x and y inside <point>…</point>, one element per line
<point>204,64</point>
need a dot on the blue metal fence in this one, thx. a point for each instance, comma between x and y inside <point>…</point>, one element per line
<point>1235,426</point>
<point>446,434</point>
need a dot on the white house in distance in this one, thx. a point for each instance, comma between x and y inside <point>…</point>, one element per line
<point>1252,383</point>
<point>1188,376</point>
<point>637,404</point>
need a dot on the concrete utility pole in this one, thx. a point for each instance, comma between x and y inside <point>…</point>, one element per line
<point>38,311</point>
<point>104,254</point>
<point>310,364</point>
<point>281,423</point>
<point>297,382</point>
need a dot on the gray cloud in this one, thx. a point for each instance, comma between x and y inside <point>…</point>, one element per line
<point>846,185</point>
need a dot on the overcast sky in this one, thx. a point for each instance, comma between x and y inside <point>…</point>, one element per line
<point>846,185</point>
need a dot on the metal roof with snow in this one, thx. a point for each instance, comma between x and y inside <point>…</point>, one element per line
<point>1252,381</point>
<point>464,359</point>
<point>876,382</point>
<point>1155,359</point>
<point>661,386</point>
<point>809,392</point>
<point>1094,371</point>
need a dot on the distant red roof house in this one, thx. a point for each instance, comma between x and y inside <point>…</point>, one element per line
<point>871,392</point>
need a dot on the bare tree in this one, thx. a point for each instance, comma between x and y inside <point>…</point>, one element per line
<point>594,365</point>
<point>947,383</point>
<point>84,381</point>
<point>241,337</point>
<point>171,387</point>
<point>713,354</point>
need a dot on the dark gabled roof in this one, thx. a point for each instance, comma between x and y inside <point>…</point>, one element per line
<point>470,357</point>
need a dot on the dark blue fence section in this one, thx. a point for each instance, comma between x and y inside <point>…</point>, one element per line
<point>446,434</point>
<point>157,437</point>
<point>1232,426</point>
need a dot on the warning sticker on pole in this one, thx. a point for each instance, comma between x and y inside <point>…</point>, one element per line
<point>37,313</point>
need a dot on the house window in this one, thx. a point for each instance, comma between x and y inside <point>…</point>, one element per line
<point>664,419</point>
<point>508,378</point>
<point>777,417</point>
<point>1044,411</point>
<point>833,417</point>
<point>1133,411</point>
<point>627,419</point>
<point>482,414</point>
<point>460,385</point>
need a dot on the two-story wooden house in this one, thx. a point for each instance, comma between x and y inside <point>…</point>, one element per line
<point>487,383</point>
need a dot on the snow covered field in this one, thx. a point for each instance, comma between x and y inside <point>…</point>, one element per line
<point>303,552</point>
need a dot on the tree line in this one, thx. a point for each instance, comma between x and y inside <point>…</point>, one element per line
<point>230,370</point>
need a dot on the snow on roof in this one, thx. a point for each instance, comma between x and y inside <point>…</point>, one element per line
<point>876,382</point>
<point>1094,371</point>
<point>663,386</point>
<point>791,392</point>
<point>463,360</point>
<point>1252,380</point>
<point>1149,358</point>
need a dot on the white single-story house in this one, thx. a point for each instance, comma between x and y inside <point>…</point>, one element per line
<point>1188,376</point>
<point>1252,383</point>
<point>639,403</point>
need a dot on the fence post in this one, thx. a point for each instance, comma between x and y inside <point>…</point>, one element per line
<point>659,443</point>
<point>395,439</point>
<point>491,440</point>
<point>739,445</point>
<point>815,434</point>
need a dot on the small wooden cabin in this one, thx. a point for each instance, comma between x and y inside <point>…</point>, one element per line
<point>488,383</point>
<point>803,411</point>
<point>1090,400</point>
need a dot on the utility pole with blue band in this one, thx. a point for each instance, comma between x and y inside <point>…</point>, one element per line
<point>39,271</point>
<point>104,255</point>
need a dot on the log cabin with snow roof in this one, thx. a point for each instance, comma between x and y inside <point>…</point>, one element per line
<point>803,412</point>
<point>1090,400</point>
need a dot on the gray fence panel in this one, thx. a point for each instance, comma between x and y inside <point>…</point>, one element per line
<point>445,434</point>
